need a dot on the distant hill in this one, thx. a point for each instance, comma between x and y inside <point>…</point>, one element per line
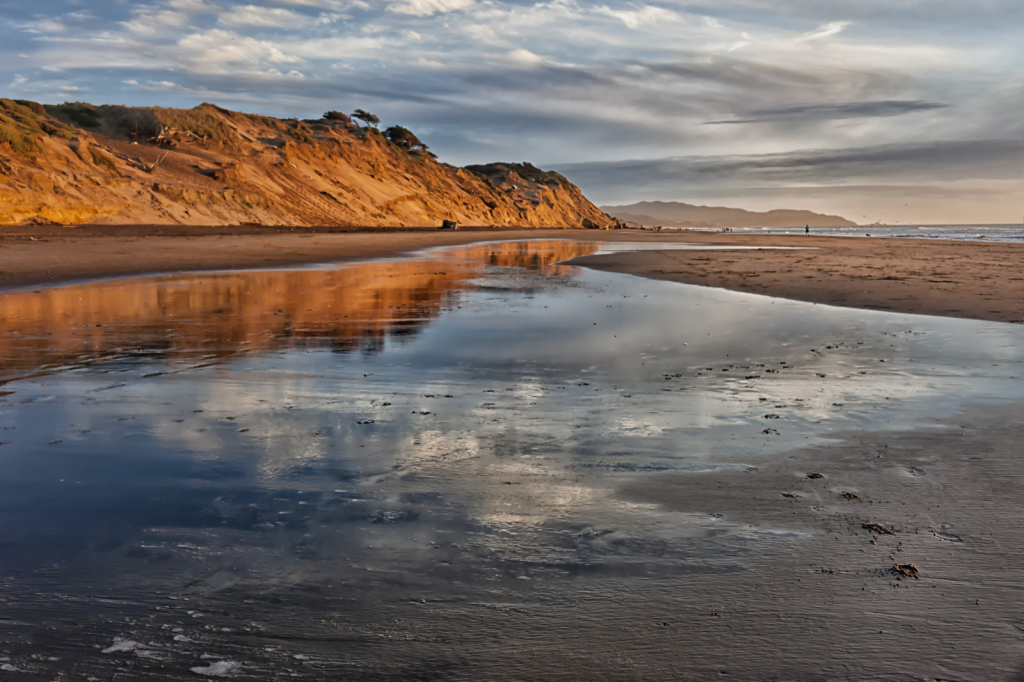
<point>678,214</point>
<point>79,163</point>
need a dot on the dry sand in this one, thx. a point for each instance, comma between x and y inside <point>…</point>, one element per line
<point>958,279</point>
<point>953,279</point>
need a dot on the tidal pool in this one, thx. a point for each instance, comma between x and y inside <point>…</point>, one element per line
<point>406,469</point>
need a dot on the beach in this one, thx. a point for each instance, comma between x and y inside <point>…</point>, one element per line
<point>477,463</point>
<point>959,279</point>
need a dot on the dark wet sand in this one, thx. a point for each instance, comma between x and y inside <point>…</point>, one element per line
<point>822,607</point>
<point>958,279</point>
<point>831,608</point>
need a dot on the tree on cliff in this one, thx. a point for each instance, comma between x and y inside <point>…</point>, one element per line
<point>366,117</point>
<point>404,138</point>
<point>337,116</point>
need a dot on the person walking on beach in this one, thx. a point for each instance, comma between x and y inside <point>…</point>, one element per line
<point>807,229</point>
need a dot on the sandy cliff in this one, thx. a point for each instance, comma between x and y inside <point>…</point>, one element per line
<point>76,163</point>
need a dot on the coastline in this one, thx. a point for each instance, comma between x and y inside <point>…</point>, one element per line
<point>955,279</point>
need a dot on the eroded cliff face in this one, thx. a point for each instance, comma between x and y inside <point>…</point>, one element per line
<point>209,166</point>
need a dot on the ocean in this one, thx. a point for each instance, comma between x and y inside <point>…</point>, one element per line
<point>1013,234</point>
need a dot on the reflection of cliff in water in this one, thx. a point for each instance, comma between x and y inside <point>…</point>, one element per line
<point>348,308</point>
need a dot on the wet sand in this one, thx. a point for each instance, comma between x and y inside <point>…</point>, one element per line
<point>833,607</point>
<point>958,279</point>
<point>783,583</point>
<point>822,606</point>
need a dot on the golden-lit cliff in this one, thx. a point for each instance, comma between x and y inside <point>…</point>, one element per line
<point>76,163</point>
<point>211,315</point>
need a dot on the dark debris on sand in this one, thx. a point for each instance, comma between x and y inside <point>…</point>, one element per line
<point>880,528</point>
<point>906,571</point>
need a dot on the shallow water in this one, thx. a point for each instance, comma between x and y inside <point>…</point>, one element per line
<point>311,458</point>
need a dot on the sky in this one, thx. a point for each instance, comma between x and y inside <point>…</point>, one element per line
<point>898,111</point>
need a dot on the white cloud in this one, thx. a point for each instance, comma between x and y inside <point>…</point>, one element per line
<point>275,73</point>
<point>192,6</point>
<point>482,33</point>
<point>425,8</point>
<point>330,18</point>
<point>425,63</point>
<point>146,20</point>
<point>217,49</point>
<point>335,5</point>
<point>648,15</point>
<point>525,58</point>
<point>270,17</point>
<point>18,80</point>
<point>336,48</point>
<point>159,86</point>
<point>826,30</point>
<point>44,25</point>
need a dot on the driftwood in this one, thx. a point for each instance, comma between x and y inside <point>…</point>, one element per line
<point>136,161</point>
<point>165,135</point>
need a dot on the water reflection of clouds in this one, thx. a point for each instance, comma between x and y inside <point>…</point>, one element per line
<point>635,426</point>
<point>533,416</point>
<point>436,447</point>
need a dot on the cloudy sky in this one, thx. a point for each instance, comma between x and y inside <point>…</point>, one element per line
<point>891,110</point>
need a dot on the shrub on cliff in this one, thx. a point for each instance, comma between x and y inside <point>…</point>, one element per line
<point>404,138</point>
<point>366,117</point>
<point>23,123</point>
<point>523,170</point>
<point>79,113</point>
<point>203,121</point>
<point>338,117</point>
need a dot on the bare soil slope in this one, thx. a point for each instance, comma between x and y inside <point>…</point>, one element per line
<point>76,163</point>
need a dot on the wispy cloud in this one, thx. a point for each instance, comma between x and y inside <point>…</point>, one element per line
<point>254,15</point>
<point>637,18</point>
<point>217,49</point>
<point>424,8</point>
<point>946,181</point>
<point>843,110</point>
<point>826,30</point>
